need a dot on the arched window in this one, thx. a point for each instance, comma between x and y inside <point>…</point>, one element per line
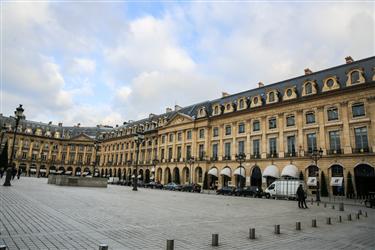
<point>255,100</point>
<point>271,97</point>
<point>241,104</point>
<point>308,88</point>
<point>355,76</point>
<point>228,106</point>
<point>216,110</point>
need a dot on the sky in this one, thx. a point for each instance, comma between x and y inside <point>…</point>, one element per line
<point>106,62</point>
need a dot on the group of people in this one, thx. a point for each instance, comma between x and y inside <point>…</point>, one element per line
<point>301,197</point>
<point>13,170</point>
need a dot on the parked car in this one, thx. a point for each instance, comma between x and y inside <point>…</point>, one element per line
<point>253,191</point>
<point>226,190</point>
<point>173,186</point>
<point>191,188</point>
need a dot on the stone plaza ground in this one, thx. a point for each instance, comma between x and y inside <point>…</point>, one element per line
<point>35,215</point>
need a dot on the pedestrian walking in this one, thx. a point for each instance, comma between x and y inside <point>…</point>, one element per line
<point>1,173</point>
<point>19,173</point>
<point>301,197</point>
<point>14,171</point>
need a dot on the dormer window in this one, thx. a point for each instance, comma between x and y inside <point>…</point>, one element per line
<point>355,76</point>
<point>216,110</point>
<point>255,100</point>
<point>241,104</point>
<point>271,97</point>
<point>289,92</point>
<point>228,106</point>
<point>330,83</point>
<point>308,88</point>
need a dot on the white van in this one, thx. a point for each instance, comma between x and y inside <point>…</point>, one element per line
<point>284,189</point>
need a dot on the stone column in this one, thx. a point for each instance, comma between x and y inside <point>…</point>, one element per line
<point>300,133</point>
<point>281,135</point>
<point>345,128</point>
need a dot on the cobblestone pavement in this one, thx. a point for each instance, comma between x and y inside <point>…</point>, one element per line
<point>35,215</point>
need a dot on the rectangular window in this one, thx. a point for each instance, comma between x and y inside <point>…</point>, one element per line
<point>215,132</point>
<point>214,150</point>
<point>256,147</point>
<point>24,155</point>
<point>179,136</point>
<point>188,135</point>
<point>179,154</point>
<point>228,130</point>
<point>272,145</point>
<point>310,117</point>
<point>291,140</point>
<point>201,133</point>
<point>311,142</point>
<point>201,151</point>
<point>272,123</point>
<point>358,109</point>
<point>290,121</point>
<point>162,139</point>
<point>170,154</point>
<point>361,139</point>
<point>227,150</point>
<point>188,152</point>
<point>256,125</point>
<point>241,147</point>
<point>334,140</point>
<point>241,128</point>
<point>332,114</point>
<point>170,137</point>
<point>162,153</point>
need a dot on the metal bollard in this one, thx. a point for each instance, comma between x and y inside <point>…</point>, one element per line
<point>215,240</point>
<point>325,204</point>
<point>365,214</point>
<point>170,244</point>
<point>341,207</point>
<point>360,212</point>
<point>313,223</point>
<point>252,233</point>
<point>3,247</point>
<point>357,216</point>
<point>333,206</point>
<point>312,201</point>
<point>103,246</point>
<point>328,220</point>
<point>349,217</point>
<point>340,219</point>
<point>317,203</point>
<point>277,229</point>
<point>298,225</point>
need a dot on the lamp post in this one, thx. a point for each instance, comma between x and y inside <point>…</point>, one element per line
<point>18,116</point>
<point>139,138</point>
<point>316,155</point>
<point>191,162</point>
<point>240,158</point>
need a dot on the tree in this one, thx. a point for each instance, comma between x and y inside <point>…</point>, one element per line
<point>323,191</point>
<point>301,177</point>
<point>350,190</point>
<point>4,157</point>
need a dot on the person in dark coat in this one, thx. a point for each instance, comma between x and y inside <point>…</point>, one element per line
<point>14,172</point>
<point>19,173</point>
<point>1,173</point>
<point>301,197</point>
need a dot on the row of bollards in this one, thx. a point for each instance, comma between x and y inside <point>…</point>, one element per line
<point>215,237</point>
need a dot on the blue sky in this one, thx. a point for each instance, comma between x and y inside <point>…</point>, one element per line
<point>109,62</point>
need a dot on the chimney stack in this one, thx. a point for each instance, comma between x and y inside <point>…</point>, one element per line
<point>177,107</point>
<point>49,123</point>
<point>260,84</point>
<point>349,59</point>
<point>224,94</point>
<point>308,71</point>
<point>168,110</point>
<point>60,124</point>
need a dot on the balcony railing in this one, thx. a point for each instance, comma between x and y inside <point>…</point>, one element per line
<point>335,151</point>
<point>273,155</point>
<point>361,150</point>
<point>214,158</point>
<point>255,156</point>
<point>291,154</point>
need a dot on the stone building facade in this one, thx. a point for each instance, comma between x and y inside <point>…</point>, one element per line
<point>276,127</point>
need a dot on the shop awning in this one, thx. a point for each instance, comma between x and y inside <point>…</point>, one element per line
<point>139,176</point>
<point>85,173</point>
<point>33,170</point>
<point>68,172</point>
<point>43,170</point>
<point>271,171</point>
<point>52,171</point>
<point>78,173</point>
<point>290,171</point>
<point>226,171</point>
<point>213,171</point>
<point>133,176</point>
<point>240,171</point>
<point>311,181</point>
<point>336,181</point>
<point>59,172</point>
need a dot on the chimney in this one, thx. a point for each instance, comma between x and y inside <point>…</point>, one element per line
<point>60,124</point>
<point>124,123</point>
<point>151,115</point>
<point>349,59</point>
<point>308,71</point>
<point>224,94</point>
<point>167,110</point>
<point>49,123</point>
<point>79,124</point>
<point>260,84</point>
<point>177,107</point>
<point>116,125</point>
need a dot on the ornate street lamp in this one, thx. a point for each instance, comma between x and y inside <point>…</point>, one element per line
<point>191,161</point>
<point>316,155</point>
<point>18,116</point>
<point>138,138</point>
<point>240,158</point>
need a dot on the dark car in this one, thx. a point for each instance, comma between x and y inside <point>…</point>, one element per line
<point>253,191</point>
<point>154,184</point>
<point>173,186</point>
<point>226,190</point>
<point>191,188</point>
